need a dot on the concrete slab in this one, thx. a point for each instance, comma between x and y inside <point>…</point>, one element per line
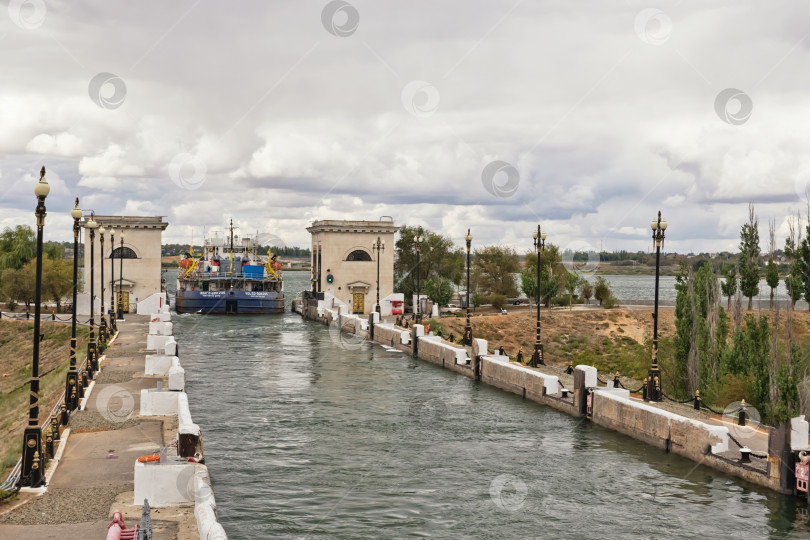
<point>91,529</point>
<point>86,460</point>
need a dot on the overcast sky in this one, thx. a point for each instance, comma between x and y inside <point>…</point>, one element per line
<point>585,117</point>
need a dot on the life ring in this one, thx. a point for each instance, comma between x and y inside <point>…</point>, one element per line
<point>149,458</point>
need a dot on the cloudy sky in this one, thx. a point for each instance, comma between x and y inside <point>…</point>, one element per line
<point>585,117</point>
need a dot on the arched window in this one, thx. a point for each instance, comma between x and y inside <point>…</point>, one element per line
<point>358,255</point>
<point>123,253</point>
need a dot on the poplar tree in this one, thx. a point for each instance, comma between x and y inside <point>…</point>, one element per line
<point>749,257</point>
<point>729,284</point>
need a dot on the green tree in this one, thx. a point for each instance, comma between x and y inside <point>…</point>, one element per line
<point>439,290</point>
<point>19,285</point>
<point>749,257</point>
<point>549,284</point>
<point>493,270</point>
<point>572,280</point>
<point>749,355</point>
<point>772,276</point>
<point>586,289</point>
<point>528,283</point>
<point>601,290</point>
<point>793,279</point>
<point>57,280</point>
<point>17,247</point>
<point>729,284</point>
<point>439,257</point>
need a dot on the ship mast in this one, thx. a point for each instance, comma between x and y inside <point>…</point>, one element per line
<point>231,270</point>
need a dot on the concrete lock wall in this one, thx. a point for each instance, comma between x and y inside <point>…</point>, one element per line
<point>611,408</point>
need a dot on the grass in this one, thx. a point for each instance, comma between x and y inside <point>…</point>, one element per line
<point>16,351</point>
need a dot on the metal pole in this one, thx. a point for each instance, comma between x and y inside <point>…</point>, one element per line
<point>72,381</point>
<point>121,279</point>
<point>92,364</point>
<point>113,315</point>
<point>102,326</point>
<point>32,464</point>
<point>539,243</point>
<point>654,390</point>
<point>418,311</point>
<point>379,249</point>
<point>468,328</point>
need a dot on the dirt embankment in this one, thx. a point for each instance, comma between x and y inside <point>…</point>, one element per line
<point>16,354</point>
<point>612,340</point>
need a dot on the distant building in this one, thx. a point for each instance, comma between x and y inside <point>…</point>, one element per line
<point>345,265</point>
<point>140,255</point>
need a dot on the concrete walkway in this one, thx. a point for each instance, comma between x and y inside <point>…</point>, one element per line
<point>95,473</point>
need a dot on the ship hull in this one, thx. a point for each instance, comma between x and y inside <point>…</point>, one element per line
<point>229,302</point>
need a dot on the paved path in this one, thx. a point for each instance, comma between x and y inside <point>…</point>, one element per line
<point>95,473</point>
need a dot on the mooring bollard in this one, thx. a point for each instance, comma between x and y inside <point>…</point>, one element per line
<point>741,419</point>
<point>697,400</point>
<point>644,389</point>
<point>745,455</point>
<point>616,381</point>
<point>84,384</point>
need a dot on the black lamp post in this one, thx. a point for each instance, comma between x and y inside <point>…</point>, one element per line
<point>102,325</point>
<point>379,247</point>
<point>121,280</point>
<point>113,316</point>
<point>539,244</point>
<point>72,382</point>
<point>32,464</point>
<point>654,392</point>
<point>92,359</point>
<point>468,329</point>
<point>418,241</point>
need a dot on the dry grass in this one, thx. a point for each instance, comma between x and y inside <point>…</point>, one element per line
<point>16,351</point>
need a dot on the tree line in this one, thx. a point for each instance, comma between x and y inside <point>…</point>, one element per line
<point>728,354</point>
<point>18,248</point>
<point>494,273</point>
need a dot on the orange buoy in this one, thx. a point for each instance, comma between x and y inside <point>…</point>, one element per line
<point>150,457</point>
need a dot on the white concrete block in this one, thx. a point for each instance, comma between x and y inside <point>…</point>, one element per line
<point>177,378</point>
<point>165,309</point>
<point>799,433</point>
<point>160,328</point>
<point>405,338</point>
<point>551,383</point>
<point>151,304</point>
<point>419,329</point>
<point>363,324</point>
<point>160,317</point>
<point>590,375</point>
<point>479,347</point>
<point>154,343</point>
<point>618,392</point>
<point>158,364</point>
<point>156,402</point>
<point>185,425</point>
<point>165,484</point>
<point>461,357</point>
<point>171,347</point>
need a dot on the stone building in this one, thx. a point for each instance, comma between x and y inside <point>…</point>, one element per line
<point>344,263</point>
<point>140,256</point>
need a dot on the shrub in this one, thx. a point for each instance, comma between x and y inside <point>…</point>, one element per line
<point>11,305</point>
<point>610,302</point>
<point>561,300</point>
<point>498,301</point>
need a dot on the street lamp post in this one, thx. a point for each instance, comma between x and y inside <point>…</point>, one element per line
<point>468,329</point>
<point>654,392</point>
<point>379,247</point>
<point>121,280</point>
<point>418,312</point>
<point>31,473</point>
<point>72,382</point>
<point>102,325</point>
<point>92,359</point>
<point>113,316</point>
<point>539,244</point>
